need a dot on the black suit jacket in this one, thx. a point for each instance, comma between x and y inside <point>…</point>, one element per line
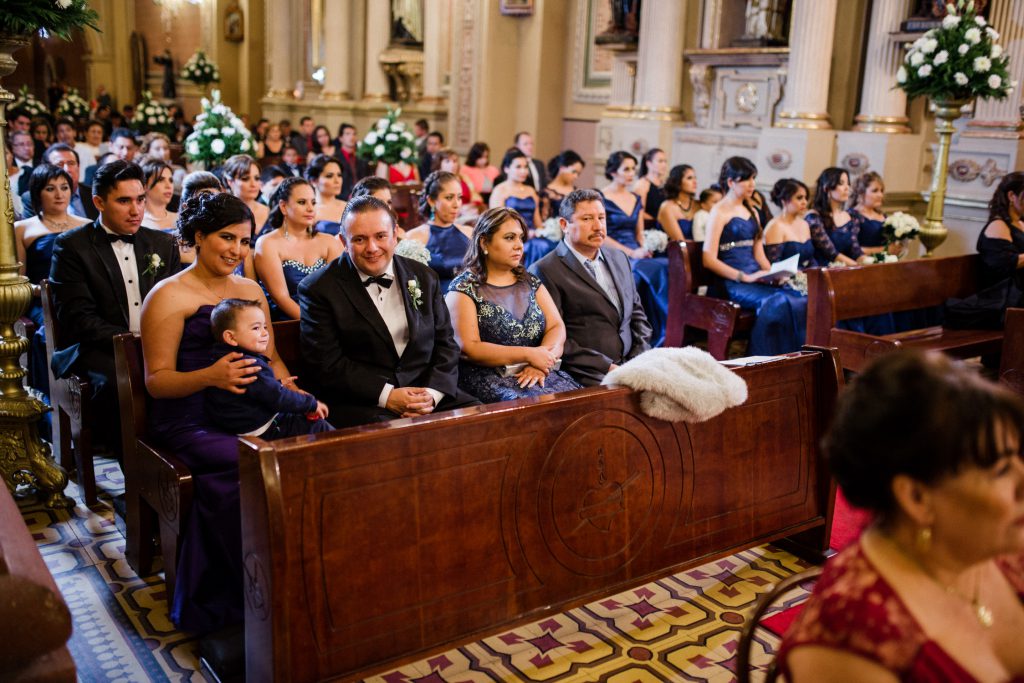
<point>350,347</point>
<point>542,173</point>
<point>84,194</point>
<point>596,334</point>
<point>90,295</point>
<point>349,175</point>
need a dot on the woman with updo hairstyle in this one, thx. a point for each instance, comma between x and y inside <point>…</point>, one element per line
<point>865,203</point>
<point>177,345</point>
<point>788,233</point>
<point>734,251</point>
<point>446,241</point>
<point>1001,241</point>
<point>514,192</point>
<point>505,321</point>
<point>293,248</point>
<point>676,214</point>
<point>564,170</point>
<point>650,185</point>
<point>324,173</point>
<point>159,192</point>
<point>833,229</point>
<point>241,176</point>
<point>933,590</point>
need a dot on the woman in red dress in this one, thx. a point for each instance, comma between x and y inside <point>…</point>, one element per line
<point>933,590</point>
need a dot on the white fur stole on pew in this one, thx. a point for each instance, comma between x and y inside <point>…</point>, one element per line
<point>680,385</point>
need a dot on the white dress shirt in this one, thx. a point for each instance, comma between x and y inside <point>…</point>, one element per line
<point>391,306</point>
<point>125,255</point>
<point>602,273</point>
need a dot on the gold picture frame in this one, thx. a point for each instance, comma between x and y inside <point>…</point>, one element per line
<point>517,8</point>
<point>234,23</point>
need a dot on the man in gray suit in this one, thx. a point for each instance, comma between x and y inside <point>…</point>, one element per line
<point>605,324</point>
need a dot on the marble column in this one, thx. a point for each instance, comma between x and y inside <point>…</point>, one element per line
<point>433,47</point>
<point>883,108</point>
<point>659,76</point>
<point>378,37</point>
<point>810,61</point>
<point>279,52</point>
<point>1007,17</point>
<point>337,22</point>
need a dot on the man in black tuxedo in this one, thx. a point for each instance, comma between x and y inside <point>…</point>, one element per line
<point>100,274</point>
<point>593,288</point>
<point>376,328</point>
<point>353,169</point>
<point>65,156</point>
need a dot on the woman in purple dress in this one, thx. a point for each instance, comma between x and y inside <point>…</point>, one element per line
<point>176,344</point>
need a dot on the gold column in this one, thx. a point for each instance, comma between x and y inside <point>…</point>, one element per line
<point>24,457</point>
<point>933,232</point>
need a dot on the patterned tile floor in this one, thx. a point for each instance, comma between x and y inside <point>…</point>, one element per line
<point>683,627</point>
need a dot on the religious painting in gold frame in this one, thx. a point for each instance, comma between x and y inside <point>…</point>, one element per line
<point>234,23</point>
<point>516,8</point>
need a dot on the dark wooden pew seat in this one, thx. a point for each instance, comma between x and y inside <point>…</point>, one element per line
<point>1011,362</point>
<point>688,310</point>
<point>837,294</point>
<point>371,546</point>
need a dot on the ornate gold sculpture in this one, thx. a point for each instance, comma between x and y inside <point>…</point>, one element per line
<point>25,459</point>
<point>933,232</point>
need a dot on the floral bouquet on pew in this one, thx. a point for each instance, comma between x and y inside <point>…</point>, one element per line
<point>415,250</point>
<point>655,241</point>
<point>883,257</point>
<point>151,116</point>
<point>898,228</point>
<point>73,105</point>
<point>218,134</point>
<point>200,70</point>
<point>28,103</point>
<point>388,141</point>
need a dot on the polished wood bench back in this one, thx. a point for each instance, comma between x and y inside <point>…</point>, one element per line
<point>374,544</point>
<point>1011,363</point>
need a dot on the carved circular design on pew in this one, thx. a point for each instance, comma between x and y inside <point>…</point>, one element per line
<point>255,586</point>
<point>167,485</point>
<point>600,493</point>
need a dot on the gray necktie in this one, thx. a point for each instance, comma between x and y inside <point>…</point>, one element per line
<point>589,265</point>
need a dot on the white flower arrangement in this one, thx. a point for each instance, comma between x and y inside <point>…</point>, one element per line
<point>386,141</point>
<point>799,282</point>
<point>73,105</point>
<point>200,70</point>
<point>551,229</point>
<point>415,293</point>
<point>209,143</point>
<point>884,257</point>
<point>900,226</point>
<point>151,116</point>
<point>414,250</point>
<point>957,60</point>
<point>28,103</point>
<point>655,241</point>
<point>153,264</point>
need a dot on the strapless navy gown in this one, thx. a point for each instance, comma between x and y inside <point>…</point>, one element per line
<point>208,591</point>
<point>328,227</point>
<point>870,234</point>
<point>650,274</point>
<point>686,226</point>
<point>785,250</point>
<point>535,248</point>
<point>509,316</point>
<point>781,325</point>
<point>294,273</point>
<point>448,248</point>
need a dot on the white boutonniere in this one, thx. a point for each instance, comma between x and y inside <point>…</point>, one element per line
<point>153,264</point>
<point>416,293</point>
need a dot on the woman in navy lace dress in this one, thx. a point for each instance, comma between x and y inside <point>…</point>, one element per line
<point>676,214</point>
<point>866,201</point>
<point>446,242</point>
<point>788,233</point>
<point>504,318</point>
<point>734,251</point>
<point>834,231</point>
<point>514,193</point>
<point>324,174</point>
<point>293,249</point>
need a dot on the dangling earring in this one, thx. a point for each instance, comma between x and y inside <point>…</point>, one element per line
<point>486,252</point>
<point>924,539</point>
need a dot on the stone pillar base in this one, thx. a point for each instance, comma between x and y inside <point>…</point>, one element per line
<point>803,120</point>
<point>881,124</point>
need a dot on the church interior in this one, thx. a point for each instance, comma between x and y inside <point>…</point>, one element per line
<point>793,86</point>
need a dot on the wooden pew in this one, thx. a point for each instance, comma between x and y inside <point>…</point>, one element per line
<point>842,293</point>
<point>158,485</point>
<point>1011,362</point>
<point>35,622</point>
<point>721,319</point>
<point>371,546</point>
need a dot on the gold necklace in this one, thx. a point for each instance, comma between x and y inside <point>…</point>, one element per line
<point>61,226</point>
<point>982,612</point>
<point>220,297</point>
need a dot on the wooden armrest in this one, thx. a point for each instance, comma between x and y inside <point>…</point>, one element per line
<point>710,313</point>
<point>856,349</point>
<point>163,479</point>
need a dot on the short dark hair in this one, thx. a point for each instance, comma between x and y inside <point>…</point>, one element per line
<point>343,127</point>
<point>64,121</point>
<point>568,206</point>
<point>422,123</point>
<point>198,182</point>
<point>436,134</point>
<point>206,213</point>
<point>947,415</point>
<point>475,261</point>
<point>224,315</point>
<point>706,193</point>
<point>365,204</point>
<point>18,113</point>
<point>369,185</point>
<point>60,147</point>
<point>304,119</point>
<point>111,173</point>
<point>515,140</point>
<point>37,182</point>
<point>564,160</point>
<point>615,161</point>
<point>122,133</point>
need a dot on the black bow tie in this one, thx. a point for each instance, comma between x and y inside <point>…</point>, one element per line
<point>382,280</point>
<point>114,237</point>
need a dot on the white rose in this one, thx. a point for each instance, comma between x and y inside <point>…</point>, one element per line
<point>210,131</point>
<point>916,58</point>
<point>960,78</point>
<point>950,21</point>
<point>982,64</point>
<point>227,131</point>
<point>973,35</point>
<point>217,146</point>
<point>941,58</point>
<point>220,109</point>
<point>151,120</point>
<point>244,145</point>
<point>379,150</point>
<point>901,75</point>
<point>980,21</point>
<point>925,70</point>
<point>963,49</point>
<point>950,8</point>
<point>399,126</point>
<point>192,148</point>
<point>992,33</point>
<point>382,124</point>
<point>391,137</point>
<point>371,138</point>
<point>64,4</point>
<point>407,136</point>
<point>994,81</point>
<point>929,46</point>
<point>405,153</point>
<point>205,102</point>
<point>997,51</point>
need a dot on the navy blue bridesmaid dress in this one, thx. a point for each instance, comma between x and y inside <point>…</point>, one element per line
<point>535,248</point>
<point>686,226</point>
<point>448,247</point>
<point>294,273</point>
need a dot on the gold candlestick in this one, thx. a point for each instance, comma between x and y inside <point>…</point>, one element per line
<point>933,232</point>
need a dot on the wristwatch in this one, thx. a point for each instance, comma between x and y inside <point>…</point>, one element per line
<point>739,276</point>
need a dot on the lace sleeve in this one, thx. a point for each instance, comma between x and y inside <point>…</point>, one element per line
<point>822,242</point>
<point>773,251</point>
<point>466,283</point>
<point>856,221</point>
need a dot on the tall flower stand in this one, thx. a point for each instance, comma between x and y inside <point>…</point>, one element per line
<point>933,232</point>
<point>25,459</point>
